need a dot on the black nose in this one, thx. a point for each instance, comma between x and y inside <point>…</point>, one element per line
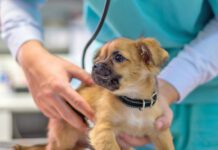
<point>96,66</point>
<point>102,69</point>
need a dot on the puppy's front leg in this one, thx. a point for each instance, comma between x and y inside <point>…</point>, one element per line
<point>163,141</point>
<point>62,136</point>
<point>102,137</point>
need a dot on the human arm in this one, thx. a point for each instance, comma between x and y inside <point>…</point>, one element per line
<point>20,22</point>
<point>195,65</point>
<point>48,76</point>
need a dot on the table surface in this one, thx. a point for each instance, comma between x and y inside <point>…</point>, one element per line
<point>26,142</point>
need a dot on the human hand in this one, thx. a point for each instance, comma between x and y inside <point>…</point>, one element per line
<point>163,122</point>
<point>167,95</point>
<point>48,79</point>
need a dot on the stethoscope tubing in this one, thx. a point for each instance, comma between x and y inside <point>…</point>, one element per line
<point>95,34</point>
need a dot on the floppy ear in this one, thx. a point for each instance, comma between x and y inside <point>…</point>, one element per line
<point>97,53</point>
<point>144,53</point>
<point>151,52</point>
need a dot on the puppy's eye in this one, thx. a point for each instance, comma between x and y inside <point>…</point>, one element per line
<point>119,58</point>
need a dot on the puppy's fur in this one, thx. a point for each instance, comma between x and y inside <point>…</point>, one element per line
<point>132,75</point>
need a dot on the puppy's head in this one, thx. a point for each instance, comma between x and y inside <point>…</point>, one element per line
<point>122,62</point>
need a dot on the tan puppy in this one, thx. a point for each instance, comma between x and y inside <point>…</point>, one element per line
<point>124,100</point>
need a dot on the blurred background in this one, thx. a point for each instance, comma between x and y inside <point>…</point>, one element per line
<point>65,35</point>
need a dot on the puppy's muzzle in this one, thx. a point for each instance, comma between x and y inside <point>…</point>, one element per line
<point>104,76</point>
<point>102,69</point>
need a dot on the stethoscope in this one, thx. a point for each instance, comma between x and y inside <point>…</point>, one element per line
<point>95,34</point>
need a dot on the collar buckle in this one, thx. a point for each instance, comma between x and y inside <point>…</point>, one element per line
<point>143,104</point>
<point>153,99</point>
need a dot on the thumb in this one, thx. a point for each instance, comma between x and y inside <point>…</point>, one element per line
<point>164,121</point>
<point>80,74</point>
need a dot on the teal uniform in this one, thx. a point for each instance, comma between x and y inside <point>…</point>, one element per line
<point>174,23</point>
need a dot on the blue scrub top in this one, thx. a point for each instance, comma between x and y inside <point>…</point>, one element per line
<point>172,22</point>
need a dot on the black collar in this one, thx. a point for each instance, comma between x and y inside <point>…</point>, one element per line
<point>139,103</point>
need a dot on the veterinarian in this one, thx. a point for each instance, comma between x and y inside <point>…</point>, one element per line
<point>188,30</point>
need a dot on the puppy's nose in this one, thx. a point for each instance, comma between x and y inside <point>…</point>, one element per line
<point>102,69</point>
<point>96,66</point>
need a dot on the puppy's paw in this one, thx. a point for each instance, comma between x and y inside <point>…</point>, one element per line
<point>17,147</point>
<point>36,147</point>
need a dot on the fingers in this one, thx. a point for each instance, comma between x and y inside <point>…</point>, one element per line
<point>57,93</point>
<point>54,106</point>
<point>44,102</point>
<point>50,112</point>
<point>79,104</point>
<point>132,141</point>
<point>51,90</point>
<point>164,121</point>
<point>75,100</point>
<point>69,115</point>
<point>80,74</point>
<point>122,143</point>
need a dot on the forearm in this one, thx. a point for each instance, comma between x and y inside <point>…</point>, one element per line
<point>196,64</point>
<point>20,22</point>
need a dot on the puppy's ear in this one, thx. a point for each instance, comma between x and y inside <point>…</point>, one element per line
<point>97,53</point>
<point>101,51</point>
<point>151,52</point>
<point>145,53</point>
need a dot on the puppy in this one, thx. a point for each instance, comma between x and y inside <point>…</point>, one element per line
<point>125,98</point>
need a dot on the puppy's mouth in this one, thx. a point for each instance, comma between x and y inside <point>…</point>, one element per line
<point>104,76</point>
